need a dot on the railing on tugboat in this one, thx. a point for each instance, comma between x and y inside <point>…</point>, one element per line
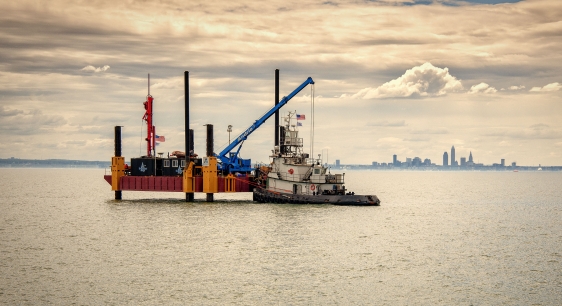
<point>328,178</point>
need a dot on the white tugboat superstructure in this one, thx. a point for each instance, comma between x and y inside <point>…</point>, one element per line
<point>294,177</point>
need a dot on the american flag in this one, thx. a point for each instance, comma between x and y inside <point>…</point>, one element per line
<point>300,117</point>
<point>160,138</point>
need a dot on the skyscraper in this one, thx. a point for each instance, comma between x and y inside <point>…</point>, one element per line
<point>394,159</point>
<point>445,159</point>
<point>453,161</point>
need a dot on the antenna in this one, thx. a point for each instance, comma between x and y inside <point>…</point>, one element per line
<point>149,84</point>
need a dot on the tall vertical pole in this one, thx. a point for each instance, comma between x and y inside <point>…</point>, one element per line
<point>191,146</point>
<point>188,133</point>
<point>276,102</point>
<point>117,141</point>
<point>210,140</point>
<point>210,149</point>
<point>118,193</point>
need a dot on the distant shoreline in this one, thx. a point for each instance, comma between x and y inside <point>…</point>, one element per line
<point>51,163</point>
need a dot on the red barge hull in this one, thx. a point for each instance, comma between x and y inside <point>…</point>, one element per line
<point>174,183</point>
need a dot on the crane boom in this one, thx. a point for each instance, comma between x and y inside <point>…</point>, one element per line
<point>232,162</point>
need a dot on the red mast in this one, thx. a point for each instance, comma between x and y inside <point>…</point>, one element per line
<point>150,130</point>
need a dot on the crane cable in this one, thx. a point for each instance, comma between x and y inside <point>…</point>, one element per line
<point>312,121</point>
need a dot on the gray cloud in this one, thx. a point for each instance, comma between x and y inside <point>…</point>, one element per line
<point>539,126</point>
<point>535,131</point>
<point>6,112</point>
<point>19,122</point>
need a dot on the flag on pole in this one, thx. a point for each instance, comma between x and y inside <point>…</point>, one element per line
<point>300,117</point>
<point>160,138</point>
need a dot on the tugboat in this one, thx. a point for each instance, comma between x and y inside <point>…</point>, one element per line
<point>293,177</point>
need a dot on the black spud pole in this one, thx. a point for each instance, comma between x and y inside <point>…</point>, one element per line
<point>188,134</point>
<point>118,193</point>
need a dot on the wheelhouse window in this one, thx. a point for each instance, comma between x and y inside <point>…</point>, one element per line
<point>174,163</point>
<point>167,163</point>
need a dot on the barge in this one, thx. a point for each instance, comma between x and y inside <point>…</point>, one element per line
<point>291,177</point>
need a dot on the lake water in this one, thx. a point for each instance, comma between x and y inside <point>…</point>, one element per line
<point>445,238</point>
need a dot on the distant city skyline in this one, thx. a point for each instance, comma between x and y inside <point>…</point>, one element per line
<point>446,162</point>
<point>416,164</point>
<point>416,161</point>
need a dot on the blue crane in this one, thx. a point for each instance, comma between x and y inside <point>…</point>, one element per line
<point>230,162</point>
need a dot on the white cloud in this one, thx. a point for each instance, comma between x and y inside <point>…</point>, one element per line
<point>307,98</point>
<point>482,88</point>
<point>420,81</point>
<point>516,87</point>
<point>91,68</point>
<point>550,87</point>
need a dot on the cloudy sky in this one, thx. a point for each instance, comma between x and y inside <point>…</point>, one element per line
<point>402,77</point>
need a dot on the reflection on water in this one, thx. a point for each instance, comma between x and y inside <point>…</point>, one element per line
<point>437,238</point>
